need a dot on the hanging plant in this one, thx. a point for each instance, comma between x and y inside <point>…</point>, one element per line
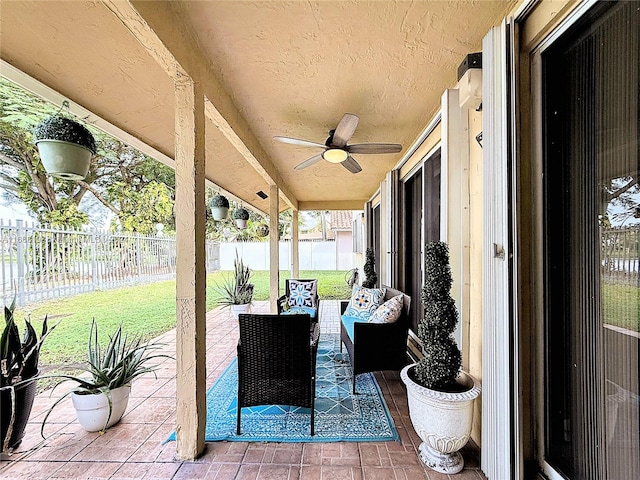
<point>219,205</point>
<point>65,147</point>
<point>262,230</point>
<point>241,215</point>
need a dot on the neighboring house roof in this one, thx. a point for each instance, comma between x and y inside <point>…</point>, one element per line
<point>341,220</point>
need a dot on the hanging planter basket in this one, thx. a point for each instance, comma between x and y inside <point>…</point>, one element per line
<point>219,205</point>
<point>262,230</point>
<point>65,147</point>
<point>241,215</point>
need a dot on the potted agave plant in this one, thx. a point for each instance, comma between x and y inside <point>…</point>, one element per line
<point>101,394</point>
<point>235,291</point>
<point>219,205</point>
<point>440,395</point>
<point>19,370</point>
<point>65,147</point>
<point>241,215</point>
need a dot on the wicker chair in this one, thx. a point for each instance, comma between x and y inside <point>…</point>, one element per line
<point>277,361</point>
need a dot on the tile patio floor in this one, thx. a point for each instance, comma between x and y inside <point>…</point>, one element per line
<point>133,449</point>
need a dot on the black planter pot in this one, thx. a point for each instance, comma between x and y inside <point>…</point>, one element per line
<point>24,396</point>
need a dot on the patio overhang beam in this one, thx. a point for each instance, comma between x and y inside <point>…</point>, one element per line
<point>159,27</point>
<point>332,205</point>
<point>27,82</point>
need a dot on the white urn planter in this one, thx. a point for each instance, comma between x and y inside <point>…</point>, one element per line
<point>93,410</point>
<point>442,420</point>
<point>236,310</point>
<point>241,223</point>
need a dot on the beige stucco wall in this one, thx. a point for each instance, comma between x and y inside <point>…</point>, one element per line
<point>425,147</point>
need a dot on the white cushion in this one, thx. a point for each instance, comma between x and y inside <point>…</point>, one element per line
<point>388,312</point>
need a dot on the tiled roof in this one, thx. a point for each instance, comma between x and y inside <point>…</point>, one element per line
<point>341,219</point>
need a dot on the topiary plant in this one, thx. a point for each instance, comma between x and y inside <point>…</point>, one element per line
<point>219,201</point>
<point>442,359</point>
<point>371,278</point>
<point>241,214</point>
<point>64,129</point>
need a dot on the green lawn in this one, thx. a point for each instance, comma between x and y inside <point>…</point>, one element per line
<point>146,310</point>
<point>620,306</point>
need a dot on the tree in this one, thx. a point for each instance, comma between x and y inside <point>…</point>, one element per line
<point>122,179</point>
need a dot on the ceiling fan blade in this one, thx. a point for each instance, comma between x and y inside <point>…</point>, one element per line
<point>345,129</point>
<point>374,148</point>
<point>309,161</point>
<point>351,165</point>
<point>295,141</point>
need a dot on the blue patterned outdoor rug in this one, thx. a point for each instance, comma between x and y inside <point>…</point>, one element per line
<point>340,415</point>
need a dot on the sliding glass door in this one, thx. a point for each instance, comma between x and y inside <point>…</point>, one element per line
<point>591,115</point>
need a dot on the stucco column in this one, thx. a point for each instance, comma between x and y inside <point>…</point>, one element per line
<point>190,270</point>
<point>274,248</point>
<point>295,246</point>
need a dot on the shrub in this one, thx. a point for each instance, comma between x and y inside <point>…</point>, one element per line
<point>442,359</point>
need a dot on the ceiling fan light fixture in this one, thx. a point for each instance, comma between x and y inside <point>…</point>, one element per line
<point>335,155</point>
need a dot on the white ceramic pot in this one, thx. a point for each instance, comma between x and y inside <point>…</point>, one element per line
<point>219,213</point>
<point>65,160</point>
<point>93,410</point>
<point>241,223</point>
<point>236,310</point>
<point>442,420</point>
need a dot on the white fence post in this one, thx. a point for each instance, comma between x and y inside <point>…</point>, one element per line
<point>20,242</point>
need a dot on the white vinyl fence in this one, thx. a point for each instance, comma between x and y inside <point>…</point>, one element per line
<point>40,263</point>
<point>313,255</point>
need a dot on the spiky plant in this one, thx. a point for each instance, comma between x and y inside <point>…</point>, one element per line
<point>116,365</point>
<point>18,373</point>
<point>19,358</point>
<point>442,359</point>
<point>236,289</point>
<point>369,268</point>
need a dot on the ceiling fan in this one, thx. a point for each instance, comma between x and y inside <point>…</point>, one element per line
<point>336,149</point>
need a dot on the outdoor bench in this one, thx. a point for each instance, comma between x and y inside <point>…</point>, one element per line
<point>375,346</point>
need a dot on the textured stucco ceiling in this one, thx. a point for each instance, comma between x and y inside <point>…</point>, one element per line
<point>290,68</point>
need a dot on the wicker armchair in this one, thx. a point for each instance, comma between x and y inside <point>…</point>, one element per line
<point>277,361</point>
